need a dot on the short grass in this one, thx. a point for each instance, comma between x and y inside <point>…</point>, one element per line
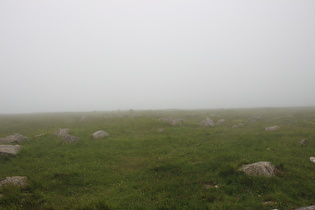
<point>183,167</point>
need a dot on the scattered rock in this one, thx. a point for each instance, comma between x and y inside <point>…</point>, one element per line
<point>64,134</point>
<point>303,142</point>
<point>70,138</point>
<point>207,122</point>
<point>254,118</point>
<point>20,181</point>
<point>269,203</point>
<point>219,122</point>
<point>10,149</point>
<point>262,168</point>
<point>306,208</point>
<point>238,125</point>
<point>210,185</point>
<point>272,128</point>
<point>312,159</point>
<point>39,135</point>
<point>15,138</point>
<point>100,134</point>
<point>171,120</point>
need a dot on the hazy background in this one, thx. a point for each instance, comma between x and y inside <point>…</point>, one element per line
<point>85,55</point>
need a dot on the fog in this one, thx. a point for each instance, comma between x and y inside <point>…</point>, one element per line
<point>78,55</point>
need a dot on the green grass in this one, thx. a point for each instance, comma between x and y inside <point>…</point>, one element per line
<point>184,167</point>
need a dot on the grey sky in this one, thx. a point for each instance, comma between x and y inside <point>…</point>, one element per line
<point>78,55</point>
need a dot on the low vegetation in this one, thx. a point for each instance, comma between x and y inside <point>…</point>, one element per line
<point>146,163</point>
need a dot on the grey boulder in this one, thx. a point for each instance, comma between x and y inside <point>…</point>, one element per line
<point>66,137</point>
<point>9,149</point>
<point>272,128</point>
<point>20,181</point>
<point>262,168</point>
<point>306,208</point>
<point>171,121</point>
<point>100,134</point>
<point>62,132</point>
<point>207,122</point>
<point>219,122</point>
<point>15,138</point>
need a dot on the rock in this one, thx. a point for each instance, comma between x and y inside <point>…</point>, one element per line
<point>303,142</point>
<point>64,134</point>
<point>269,203</point>
<point>262,168</point>
<point>254,118</point>
<point>171,120</point>
<point>70,138</point>
<point>312,159</point>
<point>20,181</point>
<point>207,122</point>
<point>15,138</point>
<point>160,130</point>
<point>39,135</point>
<point>272,128</point>
<point>10,149</point>
<point>219,122</point>
<point>210,185</point>
<point>306,208</point>
<point>238,125</point>
<point>100,134</point>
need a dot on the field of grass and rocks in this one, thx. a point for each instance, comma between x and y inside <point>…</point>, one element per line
<point>168,159</point>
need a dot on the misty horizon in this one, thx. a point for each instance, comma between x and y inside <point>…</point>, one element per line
<point>64,56</point>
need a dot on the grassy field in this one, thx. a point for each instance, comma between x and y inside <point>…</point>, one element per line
<point>185,166</point>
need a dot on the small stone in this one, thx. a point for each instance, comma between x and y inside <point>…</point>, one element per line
<point>219,122</point>
<point>272,128</point>
<point>211,185</point>
<point>100,134</point>
<point>269,203</point>
<point>238,125</point>
<point>62,132</point>
<point>70,138</point>
<point>306,208</point>
<point>10,149</point>
<point>207,122</point>
<point>39,135</point>
<point>312,159</point>
<point>303,142</point>
<point>15,138</point>
<point>262,168</point>
<point>171,120</point>
<point>20,181</point>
